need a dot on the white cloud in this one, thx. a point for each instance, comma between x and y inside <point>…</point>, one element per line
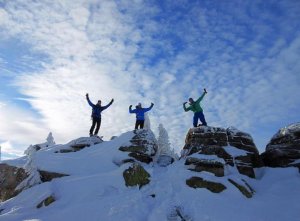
<point>106,48</point>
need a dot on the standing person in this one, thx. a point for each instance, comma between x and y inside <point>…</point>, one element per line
<point>96,114</point>
<point>197,109</point>
<point>140,114</point>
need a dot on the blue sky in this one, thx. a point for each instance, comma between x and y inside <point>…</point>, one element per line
<point>246,53</point>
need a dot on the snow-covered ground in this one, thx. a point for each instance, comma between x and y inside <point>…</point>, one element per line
<point>96,191</point>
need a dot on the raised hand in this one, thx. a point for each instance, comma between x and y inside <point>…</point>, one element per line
<point>184,103</point>
<point>205,91</point>
<point>87,95</point>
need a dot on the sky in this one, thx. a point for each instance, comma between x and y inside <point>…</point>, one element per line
<point>246,54</point>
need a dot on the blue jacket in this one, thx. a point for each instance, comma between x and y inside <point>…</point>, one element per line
<point>140,112</point>
<point>97,109</point>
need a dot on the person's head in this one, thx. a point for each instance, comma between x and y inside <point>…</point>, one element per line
<point>191,100</point>
<point>139,105</point>
<point>99,102</point>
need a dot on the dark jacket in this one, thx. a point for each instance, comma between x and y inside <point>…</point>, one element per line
<point>140,112</point>
<point>97,109</point>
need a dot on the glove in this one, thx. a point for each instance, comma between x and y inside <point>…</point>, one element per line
<point>130,106</point>
<point>205,91</point>
<point>152,104</point>
<point>87,95</point>
<point>112,100</point>
<point>184,103</point>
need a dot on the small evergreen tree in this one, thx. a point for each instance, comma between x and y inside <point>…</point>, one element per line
<point>147,124</point>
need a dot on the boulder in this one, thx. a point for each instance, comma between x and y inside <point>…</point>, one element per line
<point>136,175</point>
<point>198,182</point>
<point>213,166</point>
<point>164,160</point>
<point>10,178</point>
<point>283,150</point>
<point>80,143</point>
<point>142,146</point>
<point>235,147</point>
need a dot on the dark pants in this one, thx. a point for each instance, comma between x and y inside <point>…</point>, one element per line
<point>139,123</point>
<point>97,123</point>
<point>199,115</point>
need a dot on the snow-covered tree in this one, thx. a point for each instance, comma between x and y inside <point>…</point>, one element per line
<point>164,146</point>
<point>147,124</point>
<point>50,140</point>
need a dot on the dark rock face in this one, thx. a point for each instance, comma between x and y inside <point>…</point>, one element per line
<point>142,146</point>
<point>10,178</point>
<point>46,202</point>
<point>198,182</point>
<point>136,175</point>
<point>245,189</point>
<point>199,165</point>
<point>47,176</point>
<point>215,150</point>
<point>215,141</point>
<point>283,150</point>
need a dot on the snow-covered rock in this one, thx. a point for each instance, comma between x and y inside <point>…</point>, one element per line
<point>142,147</point>
<point>283,150</point>
<point>33,148</point>
<point>235,147</point>
<point>104,184</point>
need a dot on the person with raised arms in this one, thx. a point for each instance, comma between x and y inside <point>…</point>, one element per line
<point>197,109</point>
<point>96,114</point>
<point>140,114</point>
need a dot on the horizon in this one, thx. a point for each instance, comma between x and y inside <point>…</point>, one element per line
<point>245,53</point>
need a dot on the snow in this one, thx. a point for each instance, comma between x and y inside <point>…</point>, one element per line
<point>235,152</point>
<point>287,130</point>
<point>95,190</point>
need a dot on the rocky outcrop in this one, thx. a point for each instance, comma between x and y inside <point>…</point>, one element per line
<point>235,147</point>
<point>80,143</point>
<point>198,182</point>
<point>10,178</point>
<point>283,150</point>
<point>142,147</point>
<point>213,150</point>
<point>136,175</point>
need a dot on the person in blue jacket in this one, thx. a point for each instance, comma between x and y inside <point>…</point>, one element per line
<point>140,114</point>
<point>96,114</point>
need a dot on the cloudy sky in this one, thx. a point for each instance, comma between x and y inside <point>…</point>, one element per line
<point>245,52</point>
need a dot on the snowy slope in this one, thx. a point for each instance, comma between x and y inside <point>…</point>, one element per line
<point>95,190</point>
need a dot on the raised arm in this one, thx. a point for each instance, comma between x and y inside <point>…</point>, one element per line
<point>186,109</point>
<point>202,96</point>
<point>110,103</point>
<point>149,108</point>
<point>88,100</point>
<point>130,110</point>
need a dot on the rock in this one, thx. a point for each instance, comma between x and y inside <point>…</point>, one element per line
<point>142,147</point>
<point>46,202</point>
<point>10,178</point>
<point>136,175</point>
<point>198,182</point>
<point>232,145</point>
<point>244,190</point>
<point>212,166</point>
<point>165,160</point>
<point>283,150</point>
<point>47,176</point>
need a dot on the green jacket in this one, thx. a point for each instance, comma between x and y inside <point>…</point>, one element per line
<point>195,107</point>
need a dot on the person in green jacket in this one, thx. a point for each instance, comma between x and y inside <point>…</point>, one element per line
<point>197,109</point>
